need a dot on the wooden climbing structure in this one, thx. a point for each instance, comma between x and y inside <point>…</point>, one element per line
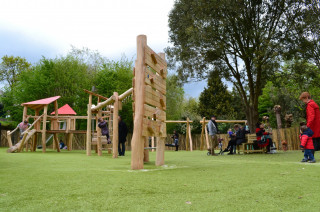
<point>149,106</point>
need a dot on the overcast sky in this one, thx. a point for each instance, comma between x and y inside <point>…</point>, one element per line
<point>36,28</point>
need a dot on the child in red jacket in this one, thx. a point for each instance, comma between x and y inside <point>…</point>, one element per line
<point>307,143</point>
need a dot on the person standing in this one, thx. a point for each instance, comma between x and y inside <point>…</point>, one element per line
<point>313,119</point>
<point>123,131</point>
<point>213,131</point>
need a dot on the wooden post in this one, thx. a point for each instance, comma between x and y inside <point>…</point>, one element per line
<point>99,144</point>
<point>55,140</point>
<point>9,139</point>
<point>115,133</point>
<point>207,137</point>
<point>187,136</point>
<point>89,126</point>
<point>37,128</point>
<point>190,139</point>
<point>44,125</point>
<point>139,87</point>
<point>202,133</point>
<point>160,151</point>
<point>152,143</point>
<point>146,151</point>
<point>160,140</point>
<point>25,111</point>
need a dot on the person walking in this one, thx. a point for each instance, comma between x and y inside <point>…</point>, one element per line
<point>123,131</point>
<point>213,130</point>
<point>313,119</point>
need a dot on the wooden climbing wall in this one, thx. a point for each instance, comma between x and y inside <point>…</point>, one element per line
<point>149,96</point>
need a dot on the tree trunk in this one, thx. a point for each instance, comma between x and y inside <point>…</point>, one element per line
<point>252,118</point>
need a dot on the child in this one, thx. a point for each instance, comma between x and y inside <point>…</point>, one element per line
<point>220,146</point>
<point>306,143</point>
<point>104,129</point>
<point>230,132</point>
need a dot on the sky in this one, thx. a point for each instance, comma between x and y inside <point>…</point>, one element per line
<point>36,28</point>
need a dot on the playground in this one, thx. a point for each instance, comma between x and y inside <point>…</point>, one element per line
<point>189,181</point>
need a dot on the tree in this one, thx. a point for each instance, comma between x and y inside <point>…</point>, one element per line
<point>175,98</point>
<point>215,99</point>
<point>11,67</point>
<point>241,39</point>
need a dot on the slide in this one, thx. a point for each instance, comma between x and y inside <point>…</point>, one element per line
<point>18,147</point>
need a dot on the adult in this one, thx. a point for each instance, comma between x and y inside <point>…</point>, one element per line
<point>313,118</point>
<point>23,126</point>
<point>123,131</point>
<point>213,131</point>
<point>104,129</point>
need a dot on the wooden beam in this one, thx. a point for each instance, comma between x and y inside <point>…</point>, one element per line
<point>125,94</point>
<point>139,88</point>
<point>190,139</point>
<point>95,94</point>
<point>202,133</point>
<point>99,144</point>
<point>25,111</point>
<point>88,142</point>
<point>103,104</point>
<point>226,121</point>
<point>115,133</point>
<point>161,140</point>
<point>44,126</point>
<point>177,121</point>
<point>146,151</point>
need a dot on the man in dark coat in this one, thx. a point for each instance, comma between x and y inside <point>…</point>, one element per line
<point>123,131</point>
<point>313,118</point>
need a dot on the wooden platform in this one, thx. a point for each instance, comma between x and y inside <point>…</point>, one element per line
<point>64,131</point>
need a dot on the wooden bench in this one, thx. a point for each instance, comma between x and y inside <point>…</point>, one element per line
<point>248,147</point>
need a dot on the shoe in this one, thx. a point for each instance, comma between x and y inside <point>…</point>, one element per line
<point>230,153</point>
<point>304,160</point>
<point>312,161</point>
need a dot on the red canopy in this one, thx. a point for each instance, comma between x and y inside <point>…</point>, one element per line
<point>41,102</point>
<point>65,110</point>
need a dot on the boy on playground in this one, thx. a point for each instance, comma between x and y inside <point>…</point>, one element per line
<point>306,143</point>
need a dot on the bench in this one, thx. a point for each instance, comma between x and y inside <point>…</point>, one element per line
<point>248,147</point>
<point>172,145</point>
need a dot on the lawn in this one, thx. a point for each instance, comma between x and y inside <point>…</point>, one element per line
<point>190,181</point>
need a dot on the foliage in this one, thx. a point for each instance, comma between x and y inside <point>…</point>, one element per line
<point>116,76</point>
<point>174,97</point>
<point>11,67</point>
<point>241,39</point>
<point>216,99</point>
<point>285,88</point>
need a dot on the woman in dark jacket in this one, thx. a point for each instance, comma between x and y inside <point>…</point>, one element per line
<point>104,129</point>
<point>123,131</point>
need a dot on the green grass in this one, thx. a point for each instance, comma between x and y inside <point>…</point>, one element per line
<point>71,181</point>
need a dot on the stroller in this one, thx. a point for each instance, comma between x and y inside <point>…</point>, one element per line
<point>220,140</point>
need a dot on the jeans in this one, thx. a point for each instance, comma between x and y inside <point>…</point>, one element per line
<point>121,148</point>
<point>308,154</point>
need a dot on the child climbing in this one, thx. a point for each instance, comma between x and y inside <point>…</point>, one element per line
<point>306,143</point>
<point>104,129</point>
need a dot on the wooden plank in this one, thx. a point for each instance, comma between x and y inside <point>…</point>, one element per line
<point>160,69</point>
<point>94,94</point>
<point>153,97</point>
<point>155,81</point>
<point>226,121</point>
<point>155,113</point>
<point>115,123</point>
<point>154,128</point>
<point>178,121</point>
<point>154,57</point>
<point>44,128</point>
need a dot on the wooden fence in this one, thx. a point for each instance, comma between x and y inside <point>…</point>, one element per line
<point>291,135</point>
